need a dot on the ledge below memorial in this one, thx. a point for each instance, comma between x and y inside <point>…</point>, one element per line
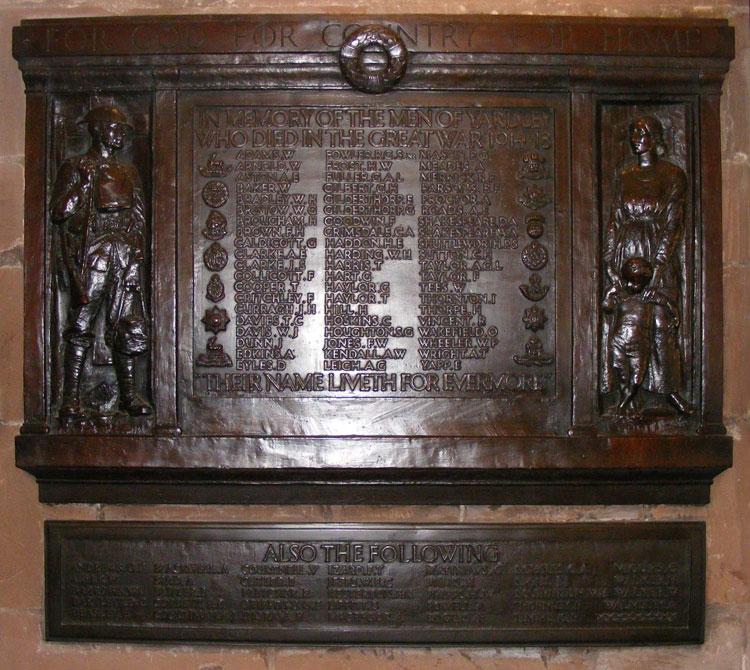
<point>349,470</point>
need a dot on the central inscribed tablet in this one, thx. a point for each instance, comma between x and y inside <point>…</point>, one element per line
<point>373,250</point>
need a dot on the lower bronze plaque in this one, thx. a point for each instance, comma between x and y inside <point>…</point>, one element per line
<point>398,584</point>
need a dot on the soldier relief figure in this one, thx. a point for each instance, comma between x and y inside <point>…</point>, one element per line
<point>643,266</point>
<point>98,203</point>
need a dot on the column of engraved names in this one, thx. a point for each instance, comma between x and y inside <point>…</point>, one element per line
<point>271,252</point>
<point>186,592</point>
<point>459,581</point>
<point>364,235</point>
<point>559,593</point>
<point>275,592</point>
<point>108,591</point>
<point>575,593</point>
<point>459,235</point>
<point>362,586</point>
<point>645,593</point>
<point>445,583</point>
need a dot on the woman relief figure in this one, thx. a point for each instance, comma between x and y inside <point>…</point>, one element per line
<point>645,228</point>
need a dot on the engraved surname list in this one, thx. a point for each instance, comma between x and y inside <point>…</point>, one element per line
<point>377,250</point>
<point>587,579</point>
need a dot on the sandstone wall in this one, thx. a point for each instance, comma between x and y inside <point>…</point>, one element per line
<point>727,645</point>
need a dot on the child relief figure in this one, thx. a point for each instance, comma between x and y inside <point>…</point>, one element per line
<point>631,334</point>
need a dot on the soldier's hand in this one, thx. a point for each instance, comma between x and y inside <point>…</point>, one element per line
<point>133,240</point>
<point>132,275</point>
<point>88,173</point>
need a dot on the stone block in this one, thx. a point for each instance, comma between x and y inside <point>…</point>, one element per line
<point>19,641</point>
<point>736,177</point>
<point>21,526</point>
<point>11,336</point>
<point>676,513</point>
<point>12,102</point>
<point>284,513</point>
<point>437,659</point>
<point>394,513</point>
<point>735,119</point>
<point>550,514</point>
<point>736,341</point>
<point>518,514</point>
<point>22,529</point>
<point>722,650</point>
<point>11,205</point>
<point>216,513</point>
<point>728,541</point>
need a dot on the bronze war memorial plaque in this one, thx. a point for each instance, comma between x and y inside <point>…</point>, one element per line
<point>399,584</point>
<point>378,250</point>
<point>346,259</point>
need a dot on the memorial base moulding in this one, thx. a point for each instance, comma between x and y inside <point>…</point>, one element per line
<point>384,259</point>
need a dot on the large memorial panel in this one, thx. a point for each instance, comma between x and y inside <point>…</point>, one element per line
<point>413,259</point>
<point>357,250</point>
<point>344,250</point>
<point>347,583</point>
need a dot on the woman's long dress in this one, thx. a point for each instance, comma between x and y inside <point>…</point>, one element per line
<point>647,221</point>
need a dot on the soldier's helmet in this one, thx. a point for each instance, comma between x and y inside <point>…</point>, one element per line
<point>106,115</point>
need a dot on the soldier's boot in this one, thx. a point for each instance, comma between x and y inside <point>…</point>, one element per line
<point>130,401</point>
<point>70,409</point>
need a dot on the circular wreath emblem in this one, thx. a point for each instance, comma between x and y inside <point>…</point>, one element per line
<point>353,67</point>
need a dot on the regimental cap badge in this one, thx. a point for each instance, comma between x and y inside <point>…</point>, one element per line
<point>216,320</point>
<point>215,257</point>
<point>535,256</point>
<point>533,166</point>
<point>534,197</point>
<point>534,318</point>
<point>534,290</point>
<point>215,289</point>
<point>214,356</point>
<point>535,225</point>
<point>535,355</point>
<point>214,167</point>
<point>216,225</point>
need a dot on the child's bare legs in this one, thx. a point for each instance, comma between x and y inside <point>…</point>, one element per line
<point>631,371</point>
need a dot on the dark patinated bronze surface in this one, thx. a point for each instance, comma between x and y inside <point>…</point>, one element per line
<point>404,584</point>
<point>356,259</point>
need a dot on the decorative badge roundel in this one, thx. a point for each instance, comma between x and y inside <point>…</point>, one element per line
<point>216,225</point>
<point>534,318</point>
<point>535,225</point>
<point>355,70</point>
<point>534,197</point>
<point>215,289</point>
<point>215,194</point>
<point>215,257</point>
<point>216,320</point>
<point>534,290</point>
<point>535,256</point>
